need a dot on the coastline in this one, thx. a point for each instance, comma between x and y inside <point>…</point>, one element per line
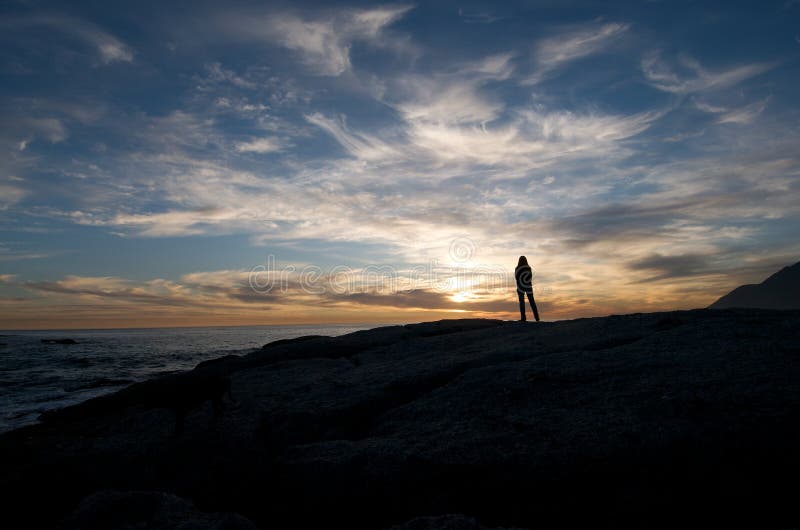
<point>607,419</point>
<point>43,371</point>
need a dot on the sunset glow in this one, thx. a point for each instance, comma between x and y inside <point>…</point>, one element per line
<point>390,163</point>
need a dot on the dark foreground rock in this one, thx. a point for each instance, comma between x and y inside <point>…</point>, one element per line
<point>154,510</point>
<point>443,522</point>
<point>646,420</point>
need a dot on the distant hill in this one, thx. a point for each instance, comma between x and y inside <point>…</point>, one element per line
<point>779,291</point>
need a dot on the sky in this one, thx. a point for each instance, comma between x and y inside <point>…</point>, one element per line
<point>237,163</point>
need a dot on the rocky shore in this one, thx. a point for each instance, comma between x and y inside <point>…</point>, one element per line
<point>683,418</point>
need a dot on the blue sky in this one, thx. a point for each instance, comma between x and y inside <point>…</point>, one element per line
<point>644,155</point>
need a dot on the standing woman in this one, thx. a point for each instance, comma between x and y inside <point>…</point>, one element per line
<point>524,277</point>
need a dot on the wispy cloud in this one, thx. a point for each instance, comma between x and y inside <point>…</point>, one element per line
<point>323,43</point>
<point>231,292</point>
<point>51,129</point>
<point>455,96</point>
<point>708,107</point>
<point>695,77</point>
<point>678,266</point>
<point>179,129</point>
<point>532,140</point>
<point>10,253</point>
<point>478,17</point>
<point>217,73</point>
<point>10,195</point>
<point>400,142</point>
<point>362,146</point>
<point>744,115</point>
<point>260,145</point>
<point>572,44</point>
<point>109,48</point>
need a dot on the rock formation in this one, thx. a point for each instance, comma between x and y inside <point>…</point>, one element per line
<point>644,420</point>
<point>779,291</point>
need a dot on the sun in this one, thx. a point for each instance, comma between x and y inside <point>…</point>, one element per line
<point>462,296</point>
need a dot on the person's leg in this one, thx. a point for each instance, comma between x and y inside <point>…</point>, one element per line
<point>533,306</point>
<point>521,306</point>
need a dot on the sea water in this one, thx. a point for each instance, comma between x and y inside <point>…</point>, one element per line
<point>36,376</point>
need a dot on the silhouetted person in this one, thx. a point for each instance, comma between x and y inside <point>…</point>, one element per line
<point>524,277</point>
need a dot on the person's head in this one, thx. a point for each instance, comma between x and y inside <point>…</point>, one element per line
<point>522,261</point>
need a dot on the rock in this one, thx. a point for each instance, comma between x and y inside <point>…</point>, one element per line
<point>59,341</point>
<point>178,393</point>
<point>155,510</point>
<point>443,522</point>
<point>283,342</point>
<point>779,291</point>
<point>628,421</point>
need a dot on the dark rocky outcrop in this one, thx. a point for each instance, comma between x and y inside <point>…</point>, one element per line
<point>779,291</point>
<point>154,510</point>
<point>443,522</point>
<point>686,418</point>
<point>59,341</point>
<point>179,393</point>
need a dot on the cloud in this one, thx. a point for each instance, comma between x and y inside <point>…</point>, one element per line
<point>10,254</point>
<point>390,187</point>
<point>452,103</point>
<point>361,146</point>
<point>10,195</point>
<point>260,145</point>
<point>29,119</point>
<point>702,207</point>
<point>620,223</point>
<point>744,115</point>
<point>323,43</point>
<point>707,107</point>
<point>170,223</point>
<point>217,74</point>
<point>533,139</point>
<point>669,267</point>
<point>230,289</point>
<point>251,92</point>
<point>570,45</point>
<point>179,130</point>
<point>478,17</point>
<point>224,289</point>
<point>447,147</point>
<point>450,118</point>
<point>455,97</point>
<point>231,292</point>
<point>421,299</point>
<point>29,128</point>
<point>109,48</point>
<point>496,67</point>
<point>695,77</point>
<point>448,121</point>
<point>156,292</point>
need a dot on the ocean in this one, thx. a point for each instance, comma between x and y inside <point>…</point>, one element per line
<point>36,376</point>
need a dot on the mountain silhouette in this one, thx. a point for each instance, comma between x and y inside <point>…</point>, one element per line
<point>779,291</point>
